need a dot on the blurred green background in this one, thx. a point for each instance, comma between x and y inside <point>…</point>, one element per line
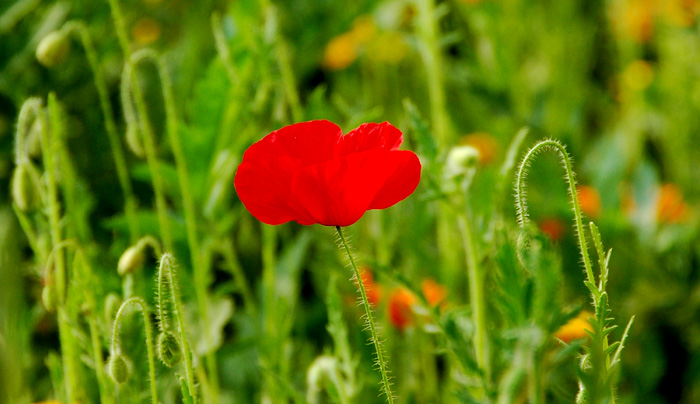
<point>617,81</point>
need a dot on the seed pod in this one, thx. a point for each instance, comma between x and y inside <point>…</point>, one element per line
<point>53,49</point>
<point>119,368</point>
<point>26,188</point>
<point>168,349</point>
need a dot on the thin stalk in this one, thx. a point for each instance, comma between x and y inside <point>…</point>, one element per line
<point>149,143</point>
<point>430,51</point>
<point>231,259</point>
<point>200,272</point>
<point>116,341</point>
<point>49,151</point>
<point>476,277</point>
<point>166,269</point>
<point>381,362</point>
<point>117,150</point>
<point>144,124</point>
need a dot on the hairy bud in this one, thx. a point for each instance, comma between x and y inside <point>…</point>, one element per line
<point>168,349</point>
<point>48,298</point>
<point>119,368</point>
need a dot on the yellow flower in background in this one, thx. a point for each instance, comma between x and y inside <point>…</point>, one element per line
<point>388,47</point>
<point>340,52</point>
<point>575,328</point>
<point>682,13</point>
<point>635,20</point>
<point>638,75</point>
<point>146,31</point>
<point>363,29</point>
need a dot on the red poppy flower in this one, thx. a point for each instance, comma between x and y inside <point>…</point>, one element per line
<point>310,173</point>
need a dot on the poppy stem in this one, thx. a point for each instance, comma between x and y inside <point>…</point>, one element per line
<point>116,349</point>
<point>83,33</point>
<point>381,361</point>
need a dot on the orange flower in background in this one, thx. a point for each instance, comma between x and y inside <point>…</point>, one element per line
<point>575,328</point>
<point>374,290</point>
<point>552,227</point>
<point>670,205</point>
<point>486,144</point>
<point>434,293</point>
<point>146,31</point>
<point>400,309</point>
<point>589,200</point>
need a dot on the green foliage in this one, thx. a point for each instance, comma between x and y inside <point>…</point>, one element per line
<point>104,158</point>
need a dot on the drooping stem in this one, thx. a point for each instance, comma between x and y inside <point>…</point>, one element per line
<point>381,361</point>
<point>200,275</point>
<point>116,341</point>
<point>117,150</point>
<point>521,195</point>
<point>131,84</point>
<point>476,278</point>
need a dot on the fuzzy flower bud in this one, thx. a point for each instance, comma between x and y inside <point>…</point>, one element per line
<point>168,349</point>
<point>53,49</point>
<point>461,160</point>
<point>119,368</point>
<point>26,188</point>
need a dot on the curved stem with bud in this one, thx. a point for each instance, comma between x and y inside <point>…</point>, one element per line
<point>118,365</point>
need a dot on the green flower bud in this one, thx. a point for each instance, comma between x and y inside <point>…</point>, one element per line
<point>461,160</point>
<point>26,187</point>
<point>53,49</point>
<point>131,259</point>
<point>168,349</point>
<point>119,368</point>
<point>32,142</point>
<point>48,297</point>
<point>133,139</point>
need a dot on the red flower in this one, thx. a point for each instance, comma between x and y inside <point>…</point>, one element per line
<point>310,173</point>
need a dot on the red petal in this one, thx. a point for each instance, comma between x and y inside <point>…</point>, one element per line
<point>264,188</point>
<point>309,142</point>
<point>401,181</point>
<point>338,192</point>
<point>370,136</point>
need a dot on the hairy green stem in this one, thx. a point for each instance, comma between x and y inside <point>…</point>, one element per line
<point>117,150</point>
<point>521,195</point>
<point>49,152</point>
<point>116,341</point>
<point>381,362</point>
<point>476,278</point>
<point>166,268</point>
